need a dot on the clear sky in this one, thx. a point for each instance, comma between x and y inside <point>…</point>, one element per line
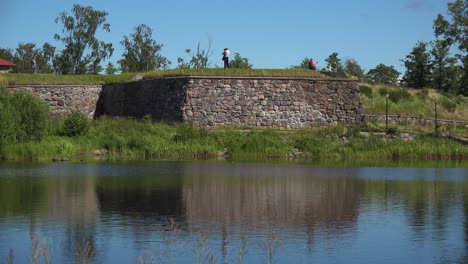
<point>272,34</point>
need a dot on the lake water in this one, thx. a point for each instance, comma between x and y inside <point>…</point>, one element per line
<point>192,212</point>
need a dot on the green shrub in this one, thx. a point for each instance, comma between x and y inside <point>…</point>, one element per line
<point>448,105</point>
<point>392,130</point>
<point>366,90</point>
<point>75,124</point>
<point>400,94</point>
<point>383,91</point>
<point>23,117</point>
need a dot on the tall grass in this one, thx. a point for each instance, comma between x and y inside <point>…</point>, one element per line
<point>235,72</point>
<point>414,102</point>
<point>25,78</point>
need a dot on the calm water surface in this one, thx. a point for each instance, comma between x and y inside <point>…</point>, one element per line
<point>188,212</point>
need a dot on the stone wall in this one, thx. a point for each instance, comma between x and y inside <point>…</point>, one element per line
<point>272,102</point>
<point>65,98</point>
<point>162,99</point>
<point>214,101</point>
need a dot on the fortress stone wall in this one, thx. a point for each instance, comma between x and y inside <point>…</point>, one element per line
<point>214,101</point>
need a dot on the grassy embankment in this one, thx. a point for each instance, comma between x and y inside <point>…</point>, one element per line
<point>128,138</point>
<point>20,78</point>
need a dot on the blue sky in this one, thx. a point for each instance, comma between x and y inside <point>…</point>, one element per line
<point>272,34</point>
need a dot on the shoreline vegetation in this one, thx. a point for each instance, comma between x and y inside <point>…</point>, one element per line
<point>28,132</point>
<point>125,138</point>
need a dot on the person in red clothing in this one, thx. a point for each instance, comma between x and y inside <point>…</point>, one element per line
<point>313,64</point>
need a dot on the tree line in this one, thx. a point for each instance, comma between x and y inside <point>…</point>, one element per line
<point>429,64</point>
<point>83,53</point>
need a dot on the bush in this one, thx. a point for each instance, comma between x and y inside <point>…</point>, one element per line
<point>366,90</point>
<point>400,94</point>
<point>393,131</point>
<point>23,117</point>
<point>75,124</point>
<point>448,105</point>
<point>383,91</point>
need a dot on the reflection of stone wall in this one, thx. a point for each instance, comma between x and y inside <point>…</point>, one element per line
<point>65,98</point>
<point>272,200</point>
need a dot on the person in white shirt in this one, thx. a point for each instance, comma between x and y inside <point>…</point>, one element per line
<point>226,58</point>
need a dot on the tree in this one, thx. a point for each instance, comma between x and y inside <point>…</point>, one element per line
<point>303,66</point>
<point>83,52</point>
<point>335,62</point>
<point>455,31</point>
<point>240,62</point>
<point>199,59</point>
<point>23,56</point>
<point>26,51</point>
<point>383,74</point>
<point>110,69</point>
<point>418,67</point>
<point>353,68</point>
<point>6,54</point>
<point>142,52</point>
<point>445,73</point>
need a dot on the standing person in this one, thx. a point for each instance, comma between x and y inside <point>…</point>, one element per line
<point>329,68</point>
<point>34,65</point>
<point>226,58</point>
<point>313,64</point>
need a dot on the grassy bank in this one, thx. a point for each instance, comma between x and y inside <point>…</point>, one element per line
<point>413,102</point>
<point>129,138</point>
<point>236,73</point>
<point>24,78</point>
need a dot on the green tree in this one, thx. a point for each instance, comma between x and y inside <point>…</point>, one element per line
<point>383,74</point>
<point>198,59</point>
<point>110,68</point>
<point>418,67</point>
<point>23,56</point>
<point>335,62</point>
<point>455,32</point>
<point>6,54</point>
<point>240,62</point>
<point>303,66</point>
<point>445,72</point>
<point>83,52</point>
<point>142,52</point>
<point>353,68</point>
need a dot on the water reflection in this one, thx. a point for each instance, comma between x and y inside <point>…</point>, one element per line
<point>328,214</point>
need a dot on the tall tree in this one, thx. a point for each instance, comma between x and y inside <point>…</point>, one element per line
<point>418,67</point>
<point>142,52</point>
<point>455,31</point>
<point>445,72</point>
<point>383,74</point>
<point>83,52</point>
<point>335,62</point>
<point>240,62</point>
<point>23,56</point>
<point>7,54</point>
<point>353,68</point>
